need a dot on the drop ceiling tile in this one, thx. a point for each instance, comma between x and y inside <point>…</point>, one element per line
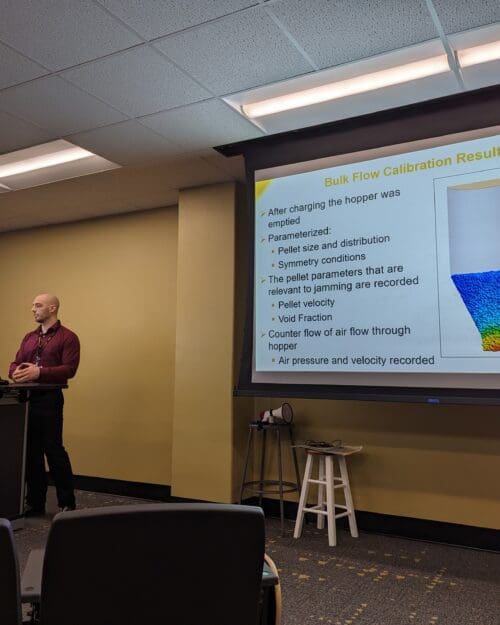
<point>16,68</point>
<point>137,82</point>
<point>202,125</point>
<point>457,15</point>
<point>62,33</point>
<point>151,18</point>
<point>126,143</point>
<point>16,134</point>
<point>342,31</point>
<point>56,106</point>
<point>236,52</point>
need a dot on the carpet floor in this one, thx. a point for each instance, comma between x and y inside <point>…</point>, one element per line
<point>370,580</point>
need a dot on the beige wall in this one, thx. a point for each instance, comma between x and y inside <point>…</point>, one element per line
<point>158,298</point>
<point>116,279</point>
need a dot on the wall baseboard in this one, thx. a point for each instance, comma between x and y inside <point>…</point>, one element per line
<point>390,525</point>
<point>403,527</point>
<point>140,490</point>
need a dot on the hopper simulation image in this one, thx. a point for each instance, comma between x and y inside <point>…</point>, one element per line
<point>474,239</point>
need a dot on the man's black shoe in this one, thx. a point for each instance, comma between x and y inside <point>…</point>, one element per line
<point>32,511</point>
<point>67,508</point>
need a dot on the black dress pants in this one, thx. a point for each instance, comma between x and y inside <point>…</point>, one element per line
<point>45,425</point>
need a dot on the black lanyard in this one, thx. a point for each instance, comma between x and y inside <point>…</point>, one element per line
<point>43,344</point>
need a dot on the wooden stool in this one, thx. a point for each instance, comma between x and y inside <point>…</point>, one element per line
<point>327,483</point>
<point>263,486</point>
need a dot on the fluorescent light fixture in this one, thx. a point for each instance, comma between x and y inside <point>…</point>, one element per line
<point>479,54</point>
<point>351,86</point>
<point>48,162</point>
<point>59,157</point>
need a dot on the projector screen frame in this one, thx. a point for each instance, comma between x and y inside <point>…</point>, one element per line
<point>458,113</point>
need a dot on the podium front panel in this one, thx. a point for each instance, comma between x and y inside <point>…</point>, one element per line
<point>13,423</point>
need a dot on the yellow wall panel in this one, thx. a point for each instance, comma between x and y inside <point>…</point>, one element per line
<point>428,462</point>
<point>116,279</point>
<point>203,408</point>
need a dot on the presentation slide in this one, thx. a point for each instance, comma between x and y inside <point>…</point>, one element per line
<point>386,265</point>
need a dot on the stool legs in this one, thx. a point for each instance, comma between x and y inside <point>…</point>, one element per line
<point>280,486</point>
<point>263,486</point>
<point>327,483</point>
<point>294,455</point>
<point>262,465</point>
<point>303,497</point>
<point>348,497</point>
<point>330,501</point>
<point>247,456</point>
<point>320,523</point>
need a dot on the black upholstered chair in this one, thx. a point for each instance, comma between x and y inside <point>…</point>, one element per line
<point>10,599</point>
<point>179,564</point>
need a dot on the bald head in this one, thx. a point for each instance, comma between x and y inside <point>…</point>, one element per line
<point>48,299</point>
<point>45,308</point>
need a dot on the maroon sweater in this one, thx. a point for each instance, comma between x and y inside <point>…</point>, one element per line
<point>58,352</point>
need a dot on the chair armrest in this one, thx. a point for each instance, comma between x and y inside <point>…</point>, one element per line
<point>269,577</point>
<point>271,594</point>
<point>31,580</point>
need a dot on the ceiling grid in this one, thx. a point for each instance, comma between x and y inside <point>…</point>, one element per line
<point>141,82</point>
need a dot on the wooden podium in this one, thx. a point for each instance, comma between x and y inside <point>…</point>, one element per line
<point>14,407</point>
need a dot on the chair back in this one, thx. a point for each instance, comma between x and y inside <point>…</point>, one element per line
<point>181,564</point>
<point>10,594</point>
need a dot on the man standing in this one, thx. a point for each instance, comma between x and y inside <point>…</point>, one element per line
<point>50,354</point>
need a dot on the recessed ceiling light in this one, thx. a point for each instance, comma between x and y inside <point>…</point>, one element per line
<point>351,86</point>
<point>479,54</point>
<point>48,162</point>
